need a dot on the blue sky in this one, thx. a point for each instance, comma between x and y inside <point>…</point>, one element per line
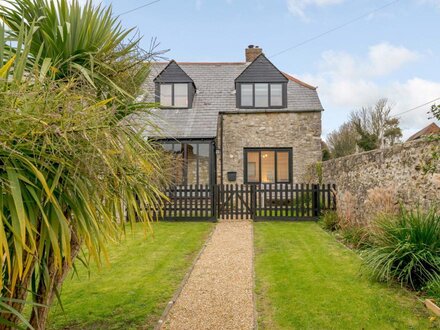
<point>393,53</point>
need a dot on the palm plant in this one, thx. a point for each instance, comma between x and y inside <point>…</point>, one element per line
<point>85,41</point>
<point>72,168</point>
<point>406,248</point>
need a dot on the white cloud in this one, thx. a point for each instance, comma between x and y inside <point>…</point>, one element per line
<point>381,60</point>
<point>410,94</point>
<point>386,58</point>
<point>347,82</point>
<point>298,7</point>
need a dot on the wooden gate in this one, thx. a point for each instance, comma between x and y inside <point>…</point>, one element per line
<point>236,201</point>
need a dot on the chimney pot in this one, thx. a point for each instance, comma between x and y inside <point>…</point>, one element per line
<point>252,53</point>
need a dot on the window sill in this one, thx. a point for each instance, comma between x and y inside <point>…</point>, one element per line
<point>261,108</point>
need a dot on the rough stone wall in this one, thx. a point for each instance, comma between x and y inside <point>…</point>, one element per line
<point>400,167</point>
<point>300,131</point>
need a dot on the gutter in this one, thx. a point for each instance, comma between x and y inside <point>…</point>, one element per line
<point>266,111</point>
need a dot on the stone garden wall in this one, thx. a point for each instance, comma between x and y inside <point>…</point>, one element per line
<point>400,167</point>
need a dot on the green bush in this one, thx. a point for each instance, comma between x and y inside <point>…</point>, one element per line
<point>406,248</point>
<point>329,220</point>
<point>355,236</point>
<point>433,289</point>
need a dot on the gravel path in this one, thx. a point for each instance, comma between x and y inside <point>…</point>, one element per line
<point>219,291</point>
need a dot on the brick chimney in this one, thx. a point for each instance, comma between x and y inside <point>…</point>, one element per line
<point>252,52</point>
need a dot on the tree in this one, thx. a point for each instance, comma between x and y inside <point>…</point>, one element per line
<point>367,129</point>
<point>435,110</point>
<point>342,142</point>
<point>432,165</point>
<point>325,151</point>
<point>375,126</point>
<point>72,167</point>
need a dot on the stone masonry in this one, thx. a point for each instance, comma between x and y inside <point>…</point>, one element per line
<point>300,131</point>
<point>399,167</point>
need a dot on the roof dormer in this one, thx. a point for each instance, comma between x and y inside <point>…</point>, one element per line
<point>174,88</point>
<point>261,85</point>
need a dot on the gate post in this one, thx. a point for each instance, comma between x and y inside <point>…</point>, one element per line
<point>333,193</point>
<point>214,202</point>
<point>316,205</point>
<point>253,201</point>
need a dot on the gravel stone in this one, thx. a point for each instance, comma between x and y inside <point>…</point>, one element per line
<point>219,291</point>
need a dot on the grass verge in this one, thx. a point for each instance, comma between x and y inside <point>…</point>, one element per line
<point>305,279</point>
<point>133,290</point>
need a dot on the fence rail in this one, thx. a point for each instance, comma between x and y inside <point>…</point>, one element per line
<point>191,203</point>
<point>281,201</point>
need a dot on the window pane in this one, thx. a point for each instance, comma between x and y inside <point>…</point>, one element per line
<point>204,163</point>
<point>178,163</point>
<point>165,95</point>
<point>178,148</point>
<point>261,95</point>
<point>167,146</point>
<point>283,166</point>
<point>276,95</point>
<point>267,166</point>
<point>191,163</point>
<point>246,95</point>
<point>181,95</point>
<point>253,166</point>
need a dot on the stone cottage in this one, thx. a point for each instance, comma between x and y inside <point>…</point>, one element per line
<point>235,122</point>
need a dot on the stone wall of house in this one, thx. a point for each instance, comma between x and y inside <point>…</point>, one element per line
<point>400,167</point>
<point>300,131</point>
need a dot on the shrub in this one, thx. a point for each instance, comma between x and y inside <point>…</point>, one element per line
<point>380,201</point>
<point>329,220</point>
<point>356,237</point>
<point>346,206</point>
<point>433,289</point>
<point>314,173</point>
<point>406,248</point>
<point>72,163</point>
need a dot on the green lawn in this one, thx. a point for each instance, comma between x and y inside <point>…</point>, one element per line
<point>132,292</point>
<point>307,280</point>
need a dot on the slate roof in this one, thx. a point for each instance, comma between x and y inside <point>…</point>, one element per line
<point>261,70</point>
<point>173,73</point>
<point>428,130</point>
<point>215,93</point>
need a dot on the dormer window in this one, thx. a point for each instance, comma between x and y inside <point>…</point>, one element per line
<point>261,85</point>
<point>262,95</point>
<point>174,88</point>
<point>174,95</point>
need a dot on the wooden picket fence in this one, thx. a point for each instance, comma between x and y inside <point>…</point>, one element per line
<point>282,201</point>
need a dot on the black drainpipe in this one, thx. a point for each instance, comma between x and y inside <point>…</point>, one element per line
<point>221,149</point>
